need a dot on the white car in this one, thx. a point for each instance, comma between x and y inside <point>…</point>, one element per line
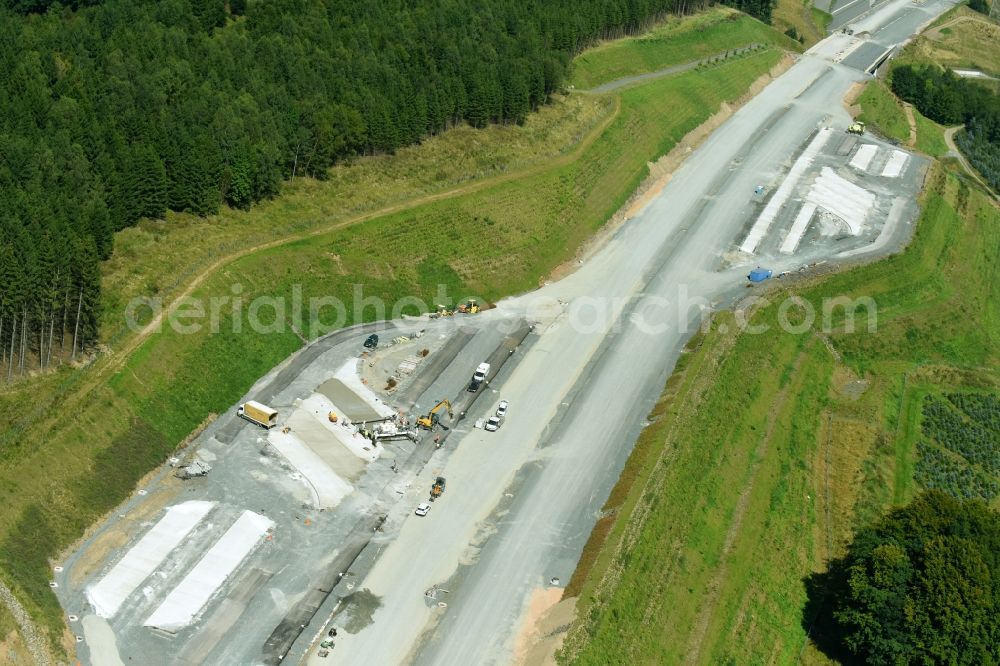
<point>502,409</point>
<point>493,423</point>
<point>422,509</point>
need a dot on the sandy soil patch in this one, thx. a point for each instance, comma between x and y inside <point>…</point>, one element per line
<point>118,535</point>
<point>13,651</point>
<point>545,625</point>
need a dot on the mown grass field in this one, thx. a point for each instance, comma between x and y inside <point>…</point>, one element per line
<point>767,450</point>
<point>677,40</point>
<point>533,195</point>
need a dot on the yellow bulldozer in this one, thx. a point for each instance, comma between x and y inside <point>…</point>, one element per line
<point>438,488</point>
<point>434,416</point>
<point>469,307</point>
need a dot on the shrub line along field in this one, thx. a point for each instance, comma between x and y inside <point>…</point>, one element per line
<point>496,236</point>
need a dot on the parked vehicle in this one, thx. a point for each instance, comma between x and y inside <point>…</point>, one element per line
<point>502,409</point>
<point>759,274</point>
<point>479,376</point>
<point>422,509</point>
<point>255,412</point>
<point>493,423</point>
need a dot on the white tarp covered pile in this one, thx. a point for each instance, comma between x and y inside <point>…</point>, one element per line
<point>766,218</point>
<point>187,599</point>
<point>145,556</point>
<point>842,198</point>
<point>862,158</point>
<point>894,166</point>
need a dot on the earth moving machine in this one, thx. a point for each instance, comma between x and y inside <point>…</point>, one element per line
<point>479,376</point>
<point>856,128</point>
<point>196,468</point>
<point>469,307</point>
<point>388,431</point>
<point>434,416</point>
<point>442,311</point>
<point>438,488</point>
<point>255,412</point>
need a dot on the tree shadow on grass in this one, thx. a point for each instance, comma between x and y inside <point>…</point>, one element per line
<point>822,591</point>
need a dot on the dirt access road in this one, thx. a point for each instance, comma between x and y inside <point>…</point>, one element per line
<point>521,501</point>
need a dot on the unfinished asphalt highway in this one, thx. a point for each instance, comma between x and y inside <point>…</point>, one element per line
<point>521,501</point>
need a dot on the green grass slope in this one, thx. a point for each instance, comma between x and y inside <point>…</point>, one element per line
<point>676,41</point>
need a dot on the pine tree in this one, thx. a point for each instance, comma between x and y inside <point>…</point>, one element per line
<point>150,182</point>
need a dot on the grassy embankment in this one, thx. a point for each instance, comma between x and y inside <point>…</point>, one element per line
<point>766,450</point>
<point>882,112</point>
<point>885,114</point>
<point>810,24</point>
<point>676,40</point>
<point>72,455</point>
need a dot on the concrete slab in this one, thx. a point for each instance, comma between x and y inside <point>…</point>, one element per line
<point>348,375</point>
<point>190,596</point>
<point>224,618</point>
<point>327,488</point>
<point>143,558</point>
<point>318,407</point>
<point>310,432</point>
<point>101,641</point>
<point>348,402</point>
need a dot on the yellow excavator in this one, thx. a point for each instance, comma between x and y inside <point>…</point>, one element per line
<point>433,416</point>
<point>470,307</point>
<point>856,128</point>
<point>442,311</point>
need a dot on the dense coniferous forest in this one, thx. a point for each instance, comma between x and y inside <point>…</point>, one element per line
<point>117,110</point>
<point>950,100</point>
